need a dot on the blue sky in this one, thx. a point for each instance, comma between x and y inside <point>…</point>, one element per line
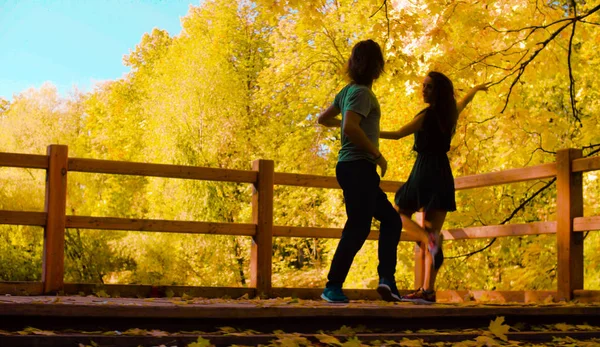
<point>75,42</point>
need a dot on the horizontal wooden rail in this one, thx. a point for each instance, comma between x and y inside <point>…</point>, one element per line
<point>506,176</point>
<point>317,181</point>
<point>29,161</point>
<point>23,218</point>
<point>586,223</point>
<point>322,233</point>
<point>580,224</point>
<point>489,231</point>
<point>303,180</point>
<point>169,226</point>
<point>586,164</point>
<point>464,182</point>
<point>480,232</point>
<point>161,170</point>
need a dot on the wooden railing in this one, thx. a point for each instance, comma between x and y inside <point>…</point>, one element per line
<point>569,226</point>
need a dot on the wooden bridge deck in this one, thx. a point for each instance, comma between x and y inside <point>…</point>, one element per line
<point>70,320</point>
<point>200,308</point>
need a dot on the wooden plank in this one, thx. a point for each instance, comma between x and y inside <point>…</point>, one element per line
<point>148,291</point>
<point>169,226</point>
<point>390,186</point>
<point>21,288</point>
<point>310,232</point>
<point>569,203</point>
<point>254,309</point>
<point>304,180</point>
<point>161,170</point>
<point>30,161</point>
<point>506,176</point>
<point>443,296</point>
<point>489,231</point>
<point>315,293</point>
<point>316,181</point>
<point>482,232</point>
<point>266,339</point>
<point>23,217</point>
<point>53,268</point>
<point>586,296</point>
<point>586,223</point>
<point>261,251</point>
<point>322,233</point>
<point>586,164</point>
<point>494,296</point>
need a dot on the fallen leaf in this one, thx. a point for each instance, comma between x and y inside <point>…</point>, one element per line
<point>200,343</point>
<point>486,341</point>
<point>327,339</point>
<point>411,343</point>
<point>158,333</point>
<point>564,327</point>
<point>499,329</point>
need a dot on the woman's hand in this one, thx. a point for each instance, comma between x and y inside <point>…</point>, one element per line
<point>482,87</point>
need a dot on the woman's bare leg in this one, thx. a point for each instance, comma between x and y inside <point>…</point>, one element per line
<point>411,228</point>
<point>435,220</point>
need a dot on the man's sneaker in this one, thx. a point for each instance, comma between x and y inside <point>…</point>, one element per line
<point>435,249</point>
<point>334,295</point>
<point>421,296</point>
<point>387,290</point>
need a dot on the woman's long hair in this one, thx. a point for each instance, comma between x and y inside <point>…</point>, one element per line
<point>366,62</point>
<point>444,103</point>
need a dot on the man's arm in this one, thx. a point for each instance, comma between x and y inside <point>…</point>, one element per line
<point>327,118</point>
<point>357,136</point>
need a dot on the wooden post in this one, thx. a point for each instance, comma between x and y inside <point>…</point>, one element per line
<point>53,266</point>
<point>262,216</point>
<point>569,205</point>
<point>420,254</point>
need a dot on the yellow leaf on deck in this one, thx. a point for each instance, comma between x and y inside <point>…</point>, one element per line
<point>484,298</point>
<point>135,332</point>
<point>345,330</point>
<point>499,329</point>
<point>227,330</point>
<point>158,333</point>
<point>102,294</point>
<point>564,327</point>
<point>427,331</point>
<point>586,327</point>
<point>353,342</point>
<point>410,343</point>
<point>200,343</point>
<point>486,341</point>
<point>327,339</point>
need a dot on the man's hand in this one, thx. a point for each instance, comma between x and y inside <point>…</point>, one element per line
<point>382,163</point>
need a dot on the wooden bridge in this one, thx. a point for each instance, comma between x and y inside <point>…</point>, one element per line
<point>568,228</point>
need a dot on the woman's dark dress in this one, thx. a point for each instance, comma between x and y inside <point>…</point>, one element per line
<point>431,183</point>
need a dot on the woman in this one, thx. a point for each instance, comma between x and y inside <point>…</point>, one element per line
<point>356,174</point>
<point>430,185</point>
